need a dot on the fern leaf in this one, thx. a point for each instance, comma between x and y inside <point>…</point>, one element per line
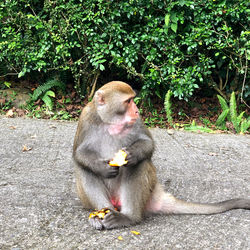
<point>223,103</point>
<point>233,112</point>
<point>222,117</point>
<point>167,105</point>
<point>239,118</point>
<point>199,129</point>
<point>48,101</point>
<point>193,123</point>
<point>244,126</point>
<point>232,107</point>
<point>47,86</point>
<point>50,93</point>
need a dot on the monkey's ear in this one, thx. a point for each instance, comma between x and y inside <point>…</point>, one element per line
<point>99,97</point>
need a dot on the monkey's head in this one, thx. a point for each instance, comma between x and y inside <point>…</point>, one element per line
<point>115,104</point>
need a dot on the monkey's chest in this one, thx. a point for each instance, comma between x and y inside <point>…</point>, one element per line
<point>108,146</point>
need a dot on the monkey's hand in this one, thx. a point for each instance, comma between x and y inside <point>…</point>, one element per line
<point>107,171</point>
<point>131,158</point>
<point>112,172</point>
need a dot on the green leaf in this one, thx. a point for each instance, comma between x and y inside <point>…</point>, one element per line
<point>239,118</point>
<point>7,84</point>
<point>48,101</point>
<point>167,19</point>
<point>42,89</point>
<point>174,27</point>
<point>167,105</point>
<point>222,117</point>
<point>50,93</point>
<point>182,2</point>
<point>193,123</point>
<point>174,18</point>
<point>22,73</point>
<point>195,128</point>
<point>101,67</point>
<point>101,61</point>
<point>223,103</point>
<point>245,125</point>
<point>233,112</point>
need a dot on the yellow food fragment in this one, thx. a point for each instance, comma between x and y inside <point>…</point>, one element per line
<point>26,148</point>
<point>119,159</point>
<point>99,213</point>
<point>91,215</point>
<point>135,232</point>
<point>119,238</point>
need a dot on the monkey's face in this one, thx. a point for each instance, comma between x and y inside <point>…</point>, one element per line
<point>131,113</point>
<point>117,108</point>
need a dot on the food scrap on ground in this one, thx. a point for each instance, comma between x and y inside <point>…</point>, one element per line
<point>26,148</point>
<point>135,232</point>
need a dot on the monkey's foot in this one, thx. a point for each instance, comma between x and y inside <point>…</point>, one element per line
<point>96,217</point>
<point>115,219</point>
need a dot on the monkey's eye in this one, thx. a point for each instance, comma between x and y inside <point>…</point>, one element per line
<point>129,100</point>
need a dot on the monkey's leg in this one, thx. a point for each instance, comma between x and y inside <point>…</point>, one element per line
<point>93,194</point>
<point>135,191</point>
<point>163,202</point>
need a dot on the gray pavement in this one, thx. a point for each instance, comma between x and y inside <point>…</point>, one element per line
<point>39,208</point>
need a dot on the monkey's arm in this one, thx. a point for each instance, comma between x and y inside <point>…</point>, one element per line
<point>140,150</point>
<point>90,160</point>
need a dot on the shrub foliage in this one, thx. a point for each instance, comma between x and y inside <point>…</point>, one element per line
<point>178,45</point>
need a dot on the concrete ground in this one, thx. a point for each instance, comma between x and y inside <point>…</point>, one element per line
<point>39,208</point>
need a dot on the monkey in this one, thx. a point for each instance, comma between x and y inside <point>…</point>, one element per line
<point>111,122</point>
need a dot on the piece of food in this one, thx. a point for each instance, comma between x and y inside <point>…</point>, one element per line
<point>99,213</point>
<point>26,148</point>
<point>119,159</point>
<point>135,232</point>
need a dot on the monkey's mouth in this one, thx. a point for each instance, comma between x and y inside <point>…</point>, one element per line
<point>123,123</point>
<point>131,122</point>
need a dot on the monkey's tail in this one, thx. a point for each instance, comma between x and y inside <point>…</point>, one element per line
<point>162,202</point>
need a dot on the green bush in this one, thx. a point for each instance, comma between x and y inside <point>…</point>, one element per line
<point>178,45</point>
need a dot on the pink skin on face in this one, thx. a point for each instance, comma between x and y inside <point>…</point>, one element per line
<point>130,117</point>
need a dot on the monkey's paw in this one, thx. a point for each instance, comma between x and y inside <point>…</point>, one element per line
<point>96,217</point>
<point>115,219</point>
